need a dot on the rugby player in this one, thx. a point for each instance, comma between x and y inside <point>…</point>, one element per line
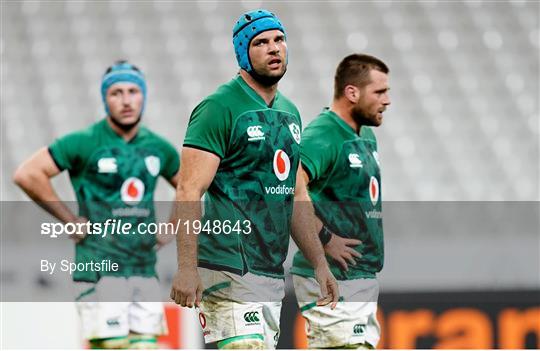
<point>242,150</point>
<point>340,164</point>
<point>114,166</point>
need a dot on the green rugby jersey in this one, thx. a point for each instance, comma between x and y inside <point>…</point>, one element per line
<point>259,150</point>
<point>115,179</point>
<point>345,189</point>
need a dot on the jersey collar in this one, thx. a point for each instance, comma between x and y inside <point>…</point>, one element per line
<point>114,135</point>
<point>341,122</point>
<point>253,94</point>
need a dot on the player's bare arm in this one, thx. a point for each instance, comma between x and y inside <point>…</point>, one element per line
<point>197,171</point>
<point>174,180</point>
<point>165,238</point>
<point>33,177</point>
<point>340,249</point>
<point>305,226</point>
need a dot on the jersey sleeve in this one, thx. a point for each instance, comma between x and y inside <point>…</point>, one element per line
<point>209,128</point>
<point>317,152</point>
<point>68,151</point>
<point>171,160</point>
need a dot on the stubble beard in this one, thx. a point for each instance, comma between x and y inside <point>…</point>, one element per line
<point>126,127</point>
<point>265,79</point>
<point>363,119</point>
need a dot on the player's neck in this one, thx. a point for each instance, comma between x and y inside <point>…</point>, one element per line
<point>127,135</point>
<point>266,93</point>
<point>344,113</point>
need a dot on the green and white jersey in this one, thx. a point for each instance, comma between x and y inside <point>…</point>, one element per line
<point>114,179</point>
<point>345,189</point>
<point>254,185</point>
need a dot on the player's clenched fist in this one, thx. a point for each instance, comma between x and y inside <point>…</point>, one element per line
<point>187,288</point>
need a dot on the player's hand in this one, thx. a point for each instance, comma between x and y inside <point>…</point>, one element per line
<point>187,288</point>
<point>329,286</point>
<point>342,250</point>
<point>77,237</point>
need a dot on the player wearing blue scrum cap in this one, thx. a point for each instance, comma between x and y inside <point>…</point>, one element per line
<point>242,150</point>
<point>268,71</point>
<point>132,78</point>
<point>114,166</point>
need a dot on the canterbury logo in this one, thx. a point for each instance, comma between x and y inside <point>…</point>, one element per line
<point>113,322</point>
<point>255,133</point>
<point>251,317</point>
<point>355,161</point>
<point>107,165</point>
<point>358,329</point>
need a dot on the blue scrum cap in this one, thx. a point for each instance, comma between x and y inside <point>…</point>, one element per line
<point>248,26</point>
<point>122,71</point>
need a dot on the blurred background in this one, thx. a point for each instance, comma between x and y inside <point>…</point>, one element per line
<point>461,137</point>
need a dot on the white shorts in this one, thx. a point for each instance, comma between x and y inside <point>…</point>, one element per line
<point>136,307</point>
<point>235,306</point>
<point>354,319</point>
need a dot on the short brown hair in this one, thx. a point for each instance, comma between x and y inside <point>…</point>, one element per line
<point>354,70</point>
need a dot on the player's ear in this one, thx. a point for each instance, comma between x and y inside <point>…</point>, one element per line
<point>351,93</point>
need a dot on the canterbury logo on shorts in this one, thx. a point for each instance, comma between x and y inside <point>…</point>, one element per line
<point>251,317</point>
<point>358,329</point>
<point>113,322</point>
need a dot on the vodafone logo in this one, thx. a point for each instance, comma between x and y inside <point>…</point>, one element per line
<point>202,320</point>
<point>132,191</point>
<point>374,190</point>
<point>282,165</point>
